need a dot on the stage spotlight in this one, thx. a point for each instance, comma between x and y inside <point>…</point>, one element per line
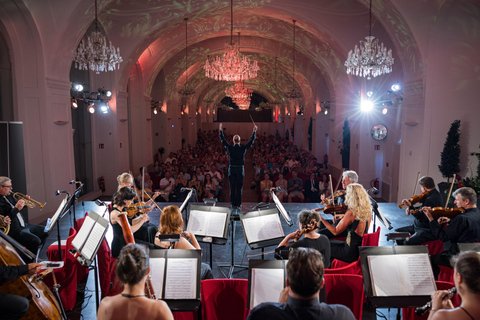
<point>289,113</point>
<point>108,93</point>
<point>78,87</point>
<point>104,108</point>
<point>155,111</point>
<point>396,87</point>
<point>385,110</point>
<point>326,111</point>
<point>366,105</point>
<point>74,104</point>
<point>369,94</point>
<point>91,108</point>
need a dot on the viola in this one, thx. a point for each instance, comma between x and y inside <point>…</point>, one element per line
<point>43,304</point>
<point>309,227</point>
<point>415,199</point>
<point>438,212</point>
<point>335,195</point>
<point>134,208</point>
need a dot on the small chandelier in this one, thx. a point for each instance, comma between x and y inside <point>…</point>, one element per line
<point>94,54</point>
<point>187,89</point>
<point>293,93</point>
<point>370,59</point>
<point>231,66</point>
<point>240,94</point>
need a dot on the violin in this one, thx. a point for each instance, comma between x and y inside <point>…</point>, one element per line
<point>415,199</point>
<point>335,195</point>
<point>309,227</point>
<point>134,208</point>
<point>438,212</point>
<point>333,208</point>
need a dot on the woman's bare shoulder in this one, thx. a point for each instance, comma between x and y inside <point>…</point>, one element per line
<point>162,311</point>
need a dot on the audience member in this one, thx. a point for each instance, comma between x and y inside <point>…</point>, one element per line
<point>295,187</point>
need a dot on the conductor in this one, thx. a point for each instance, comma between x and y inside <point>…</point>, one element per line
<point>236,172</point>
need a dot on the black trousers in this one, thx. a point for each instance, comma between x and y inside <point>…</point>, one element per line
<point>235,177</point>
<point>146,232</point>
<point>31,236</point>
<point>419,236</point>
<point>330,235</point>
<point>437,260</point>
<point>12,306</point>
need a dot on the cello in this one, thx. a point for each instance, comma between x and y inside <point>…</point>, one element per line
<point>43,304</point>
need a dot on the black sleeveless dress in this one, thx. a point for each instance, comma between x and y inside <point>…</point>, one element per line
<point>118,239</point>
<point>342,251</point>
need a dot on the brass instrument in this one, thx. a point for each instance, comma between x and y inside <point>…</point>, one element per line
<point>4,226</point>
<point>29,202</point>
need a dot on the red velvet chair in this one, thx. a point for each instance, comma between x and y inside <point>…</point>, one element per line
<point>224,299</point>
<point>434,247</point>
<point>446,274</point>
<point>66,276</point>
<point>352,268</point>
<point>346,289</point>
<point>104,257</point>
<point>409,313</point>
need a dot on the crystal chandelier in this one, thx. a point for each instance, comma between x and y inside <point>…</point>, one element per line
<point>231,66</point>
<point>240,94</point>
<point>370,59</point>
<point>293,93</point>
<point>94,54</point>
<point>187,89</point>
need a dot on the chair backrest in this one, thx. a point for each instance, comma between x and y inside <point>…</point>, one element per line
<point>104,257</point>
<point>340,267</point>
<point>346,289</point>
<point>371,239</point>
<point>224,299</point>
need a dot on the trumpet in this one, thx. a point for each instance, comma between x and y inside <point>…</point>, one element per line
<point>29,202</point>
<point>4,226</point>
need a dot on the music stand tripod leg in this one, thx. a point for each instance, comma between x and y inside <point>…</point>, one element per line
<point>232,264</point>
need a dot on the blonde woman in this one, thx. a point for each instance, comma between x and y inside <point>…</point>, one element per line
<point>356,220</point>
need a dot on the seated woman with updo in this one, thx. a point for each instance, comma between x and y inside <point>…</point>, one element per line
<point>171,222</point>
<point>132,269</point>
<point>467,281</point>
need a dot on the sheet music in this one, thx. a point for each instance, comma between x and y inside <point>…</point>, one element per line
<point>181,278</point>
<point>210,224</point>
<point>401,275</point>
<point>263,228</point>
<point>57,213</point>
<point>90,246</point>
<point>157,272</point>
<point>83,233</point>
<point>266,285</point>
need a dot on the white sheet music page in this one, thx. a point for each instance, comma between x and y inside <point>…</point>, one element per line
<point>266,285</point>
<point>157,271</point>
<point>216,224</point>
<point>82,234</point>
<point>386,276</point>
<point>418,274</point>
<point>181,278</point>
<point>93,241</point>
<point>197,222</point>
<point>263,228</point>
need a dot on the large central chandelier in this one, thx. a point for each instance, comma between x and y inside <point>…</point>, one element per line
<point>240,94</point>
<point>231,66</point>
<point>94,54</point>
<point>370,59</point>
<point>187,89</point>
<point>293,93</point>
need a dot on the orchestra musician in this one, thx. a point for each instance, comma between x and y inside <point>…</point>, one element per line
<point>147,230</point>
<point>13,306</point>
<point>467,283</point>
<point>29,235</point>
<point>132,269</point>
<point>420,230</point>
<point>356,220</point>
<point>311,239</point>
<point>171,222</point>
<point>236,171</point>
<point>463,228</point>
<point>348,177</point>
<point>121,200</point>
<point>299,299</point>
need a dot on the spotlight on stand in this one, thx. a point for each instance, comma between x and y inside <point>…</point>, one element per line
<point>91,108</point>
<point>74,104</point>
<point>385,110</point>
<point>396,87</point>
<point>155,111</point>
<point>78,87</point>
<point>104,108</point>
<point>369,94</point>
<point>366,105</point>
<point>108,93</point>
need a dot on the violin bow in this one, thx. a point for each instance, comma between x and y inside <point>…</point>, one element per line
<point>339,180</point>
<point>331,185</point>
<point>143,183</point>
<point>416,181</point>
<point>450,191</point>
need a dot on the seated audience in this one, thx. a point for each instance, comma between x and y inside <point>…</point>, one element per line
<point>312,190</point>
<point>132,269</point>
<point>282,184</point>
<point>266,186</point>
<point>295,187</point>
<point>467,282</point>
<point>209,187</point>
<point>299,299</point>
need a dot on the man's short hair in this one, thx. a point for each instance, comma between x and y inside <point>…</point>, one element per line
<point>305,271</point>
<point>352,175</point>
<point>467,193</point>
<point>4,180</point>
<point>427,182</point>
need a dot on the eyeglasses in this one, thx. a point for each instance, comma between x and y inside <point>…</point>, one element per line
<point>9,187</point>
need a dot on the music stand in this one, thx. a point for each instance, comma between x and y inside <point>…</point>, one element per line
<point>469,247</point>
<point>378,213</point>
<point>286,215</point>
<point>51,222</point>
<point>255,280</point>
<point>185,203</point>
<point>390,301</point>
<point>75,197</point>
<point>166,279</point>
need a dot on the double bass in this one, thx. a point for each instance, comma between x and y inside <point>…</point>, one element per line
<point>43,304</point>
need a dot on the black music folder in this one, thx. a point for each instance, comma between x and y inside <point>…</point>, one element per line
<point>209,224</point>
<point>266,279</point>
<point>262,228</point>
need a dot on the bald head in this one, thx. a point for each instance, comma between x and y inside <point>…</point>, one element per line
<point>236,139</point>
